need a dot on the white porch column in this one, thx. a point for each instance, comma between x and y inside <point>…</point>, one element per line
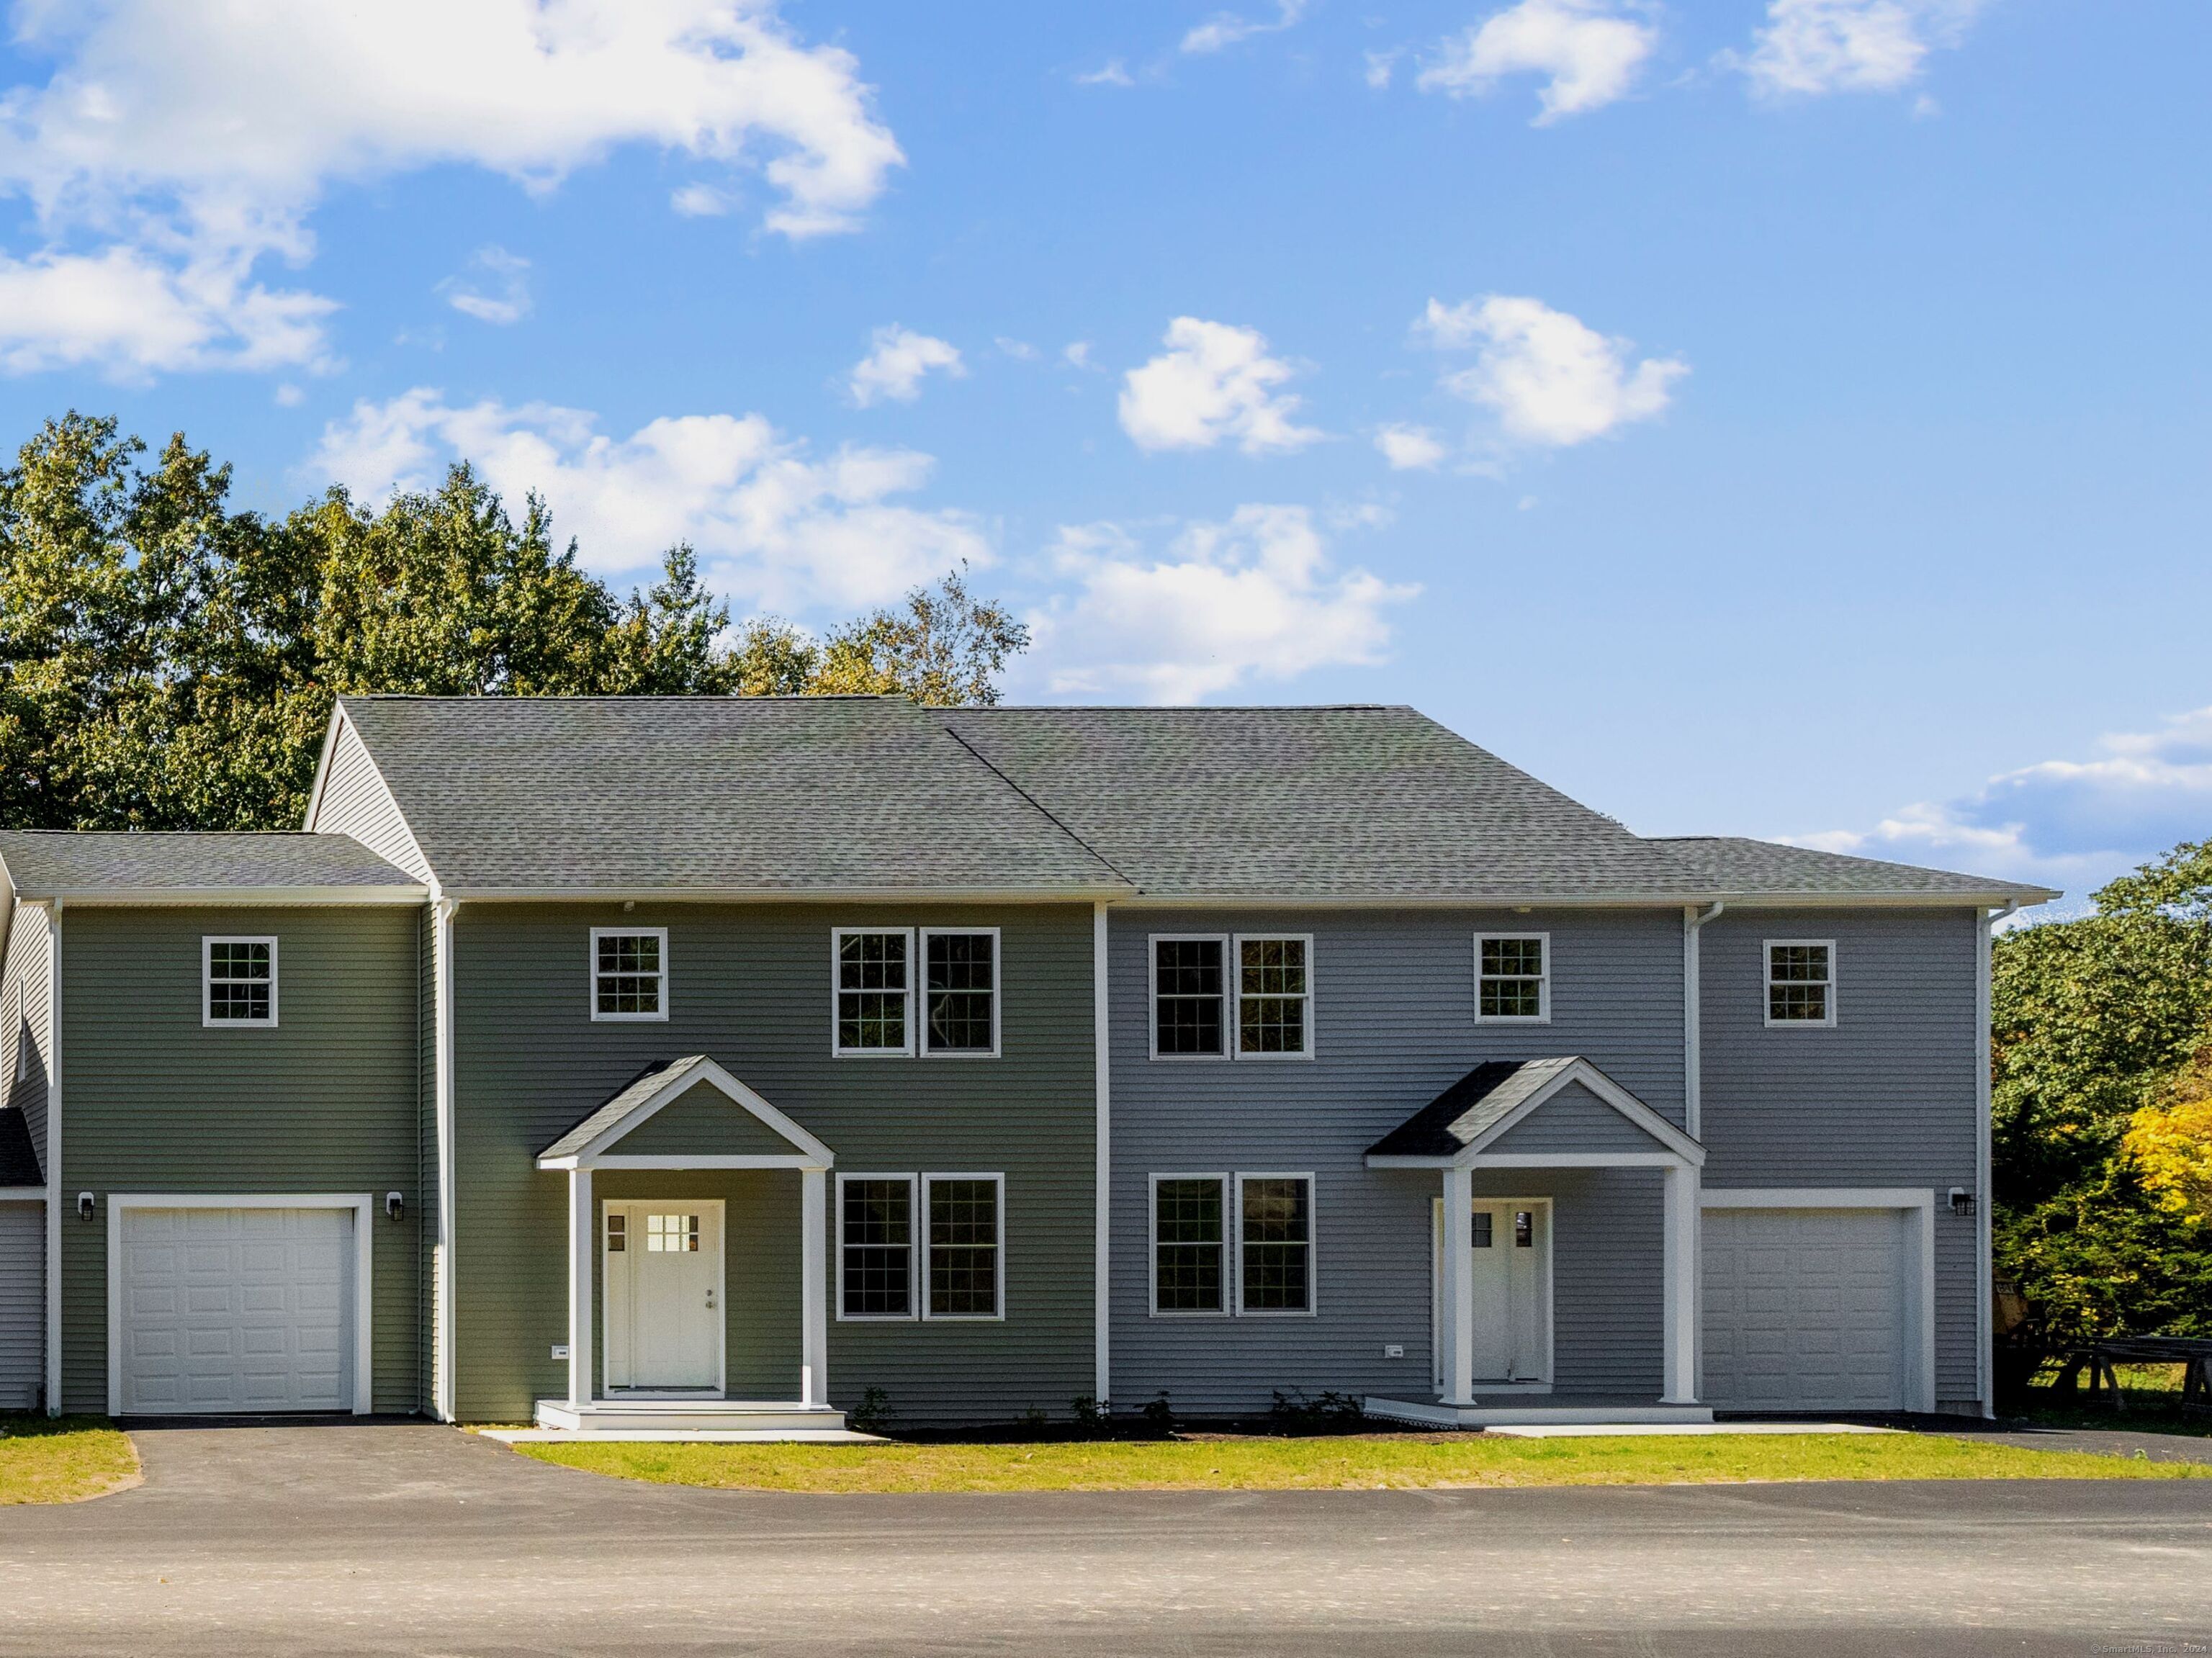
<point>1457,1324</point>
<point>580,1236</point>
<point>1679,1271</point>
<point>813,1298</point>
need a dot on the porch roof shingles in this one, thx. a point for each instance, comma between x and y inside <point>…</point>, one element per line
<point>626,1099</point>
<point>1467,1110</point>
<point>766,795</point>
<point>42,863</point>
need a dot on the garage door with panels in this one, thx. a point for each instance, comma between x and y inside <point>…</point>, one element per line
<point>1818,1301</point>
<point>220,1306</point>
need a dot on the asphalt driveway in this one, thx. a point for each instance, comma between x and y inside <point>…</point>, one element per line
<point>410,1538</point>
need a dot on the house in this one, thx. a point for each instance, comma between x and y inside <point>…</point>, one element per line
<point>661,1064</point>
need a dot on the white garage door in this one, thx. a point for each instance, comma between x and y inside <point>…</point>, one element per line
<point>1805,1309</point>
<point>22,1304</point>
<point>236,1310</point>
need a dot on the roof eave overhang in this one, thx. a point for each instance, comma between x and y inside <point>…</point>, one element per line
<point>1618,899</point>
<point>201,897</point>
<point>785,894</point>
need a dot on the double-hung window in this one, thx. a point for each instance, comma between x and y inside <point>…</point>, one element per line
<point>1801,982</point>
<point>1513,977</point>
<point>927,1246</point>
<point>629,974</point>
<point>238,982</point>
<point>875,989</point>
<point>1247,996</point>
<point>960,991</point>
<point>1241,1243</point>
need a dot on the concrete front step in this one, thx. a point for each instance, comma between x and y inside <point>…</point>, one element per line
<point>599,1418</point>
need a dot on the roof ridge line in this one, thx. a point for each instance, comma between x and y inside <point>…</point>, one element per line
<point>1045,812</point>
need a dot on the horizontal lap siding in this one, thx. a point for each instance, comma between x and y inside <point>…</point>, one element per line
<point>354,801</point>
<point>325,1103</point>
<point>22,1304</point>
<point>1574,1120</point>
<point>1886,1098</point>
<point>750,988</point>
<point>1393,1015</point>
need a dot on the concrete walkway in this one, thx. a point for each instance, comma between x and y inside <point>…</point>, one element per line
<point>408,1538</point>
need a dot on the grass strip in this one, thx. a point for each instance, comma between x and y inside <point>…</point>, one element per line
<point>1394,1462</point>
<point>63,1460</point>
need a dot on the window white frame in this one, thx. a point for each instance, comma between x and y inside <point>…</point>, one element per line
<point>1313,1247</point>
<point>591,975</point>
<point>1234,975</point>
<point>1228,1184</point>
<point>207,1021</point>
<point>924,1246</point>
<point>919,991</point>
<point>837,936</point>
<point>917,1242</point>
<point>1767,981</point>
<point>1152,943</point>
<point>1543,1014</point>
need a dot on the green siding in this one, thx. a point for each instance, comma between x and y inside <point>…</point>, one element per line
<point>702,1120</point>
<point>324,1103</point>
<point>751,990</point>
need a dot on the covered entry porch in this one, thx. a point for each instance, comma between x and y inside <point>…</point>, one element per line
<point>696,1271</point>
<point>1537,1163</point>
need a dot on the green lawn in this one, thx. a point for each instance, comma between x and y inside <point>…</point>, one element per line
<point>63,1461</point>
<point>1348,1463</point>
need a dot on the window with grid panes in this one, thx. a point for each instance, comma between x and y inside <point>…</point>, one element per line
<point>964,1248</point>
<point>872,992</point>
<point>1275,1241</point>
<point>876,1260</point>
<point>1799,978</point>
<point>241,980</point>
<point>1187,1246</point>
<point>961,986</point>
<point>1511,979</point>
<point>1187,993</point>
<point>1271,995</point>
<point>628,970</point>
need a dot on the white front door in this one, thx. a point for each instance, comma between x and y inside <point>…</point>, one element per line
<point>664,1294</point>
<point>1510,1268</point>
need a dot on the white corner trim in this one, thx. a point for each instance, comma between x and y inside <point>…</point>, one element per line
<point>662,979</point>
<point>443,1366</point>
<point>364,1249</point>
<point>53,1153</point>
<point>1102,1281</point>
<point>1694,1014</point>
<point>1985,1238</point>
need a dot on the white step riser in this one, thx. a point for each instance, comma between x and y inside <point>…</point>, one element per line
<point>676,1419</point>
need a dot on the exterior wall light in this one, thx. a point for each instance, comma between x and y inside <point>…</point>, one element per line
<point>84,1205</point>
<point>394,1204</point>
<point>1962,1201</point>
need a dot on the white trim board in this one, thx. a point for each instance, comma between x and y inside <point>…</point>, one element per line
<point>806,1152</point>
<point>1679,1149</point>
<point>364,1249</point>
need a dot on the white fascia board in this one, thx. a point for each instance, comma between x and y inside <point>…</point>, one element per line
<point>205,897</point>
<point>337,720</point>
<point>1582,1160</point>
<point>674,1161</point>
<point>22,1194</point>
<point>909,896</point>
<point>1679,1147</point>
<point>811,1150</point>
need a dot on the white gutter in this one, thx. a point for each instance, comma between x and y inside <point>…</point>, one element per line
<point>147,897</point>
<point>1693,1045</point>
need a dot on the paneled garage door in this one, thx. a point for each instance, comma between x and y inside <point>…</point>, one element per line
<point>236,1310</point>
<point>1805,1309</point>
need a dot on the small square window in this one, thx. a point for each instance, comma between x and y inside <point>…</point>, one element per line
<point>874,990</point>
<point>629,974</point>
<point>238,981</point>
<point>1513,977</point>
<point>1800,984</point>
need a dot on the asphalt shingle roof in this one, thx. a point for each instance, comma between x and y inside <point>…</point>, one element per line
<point>760,795</point>
<point>1734,864</point>
<point>42,863</point>
<point>1459,1116</point>
<point>624,1100</point>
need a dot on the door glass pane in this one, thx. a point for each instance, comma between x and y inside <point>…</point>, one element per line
<point>671,1235</point>
<point>1524,1229</point>
<point>1482,1218</point>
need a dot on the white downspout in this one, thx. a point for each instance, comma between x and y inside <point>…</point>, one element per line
<point>1693,1079</point>
<point>444,1371</point>
<point>54,1159</point>
<point>1102,1174</point>
<point>1686,1286</point>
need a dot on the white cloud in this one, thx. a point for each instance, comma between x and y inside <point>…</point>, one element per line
<point>1253,597</point>
<point>289,395</point>
<point>1214,381</point>
<point>1809,47</point>
<point>1019,350</point>
<point>896,360</point>
<point>506,276</point>
<point>1409,448</point>
<point>1589,50</point>
<point>1380,67</point>
<point>174,137</point>
<point>1227,28</point>
<point>1552,378</point>
<point>1076,355</point>
<point>2070,823</point>
<point>129,315</point>
<point>1115,73</point>
<point>702,201</point>
<point>774,527</point>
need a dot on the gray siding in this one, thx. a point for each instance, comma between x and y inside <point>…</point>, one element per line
<point>325,1103</point>
<point>22,1304</point>
<point>1393,1019</point>
<point>1574,1120</point>
<point>25,1023</point>
<point>355,802</point>
<point>752,988</point>
<point>1885,1098</point>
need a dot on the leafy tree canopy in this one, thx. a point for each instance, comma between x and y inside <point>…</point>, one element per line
<point>168,663</point>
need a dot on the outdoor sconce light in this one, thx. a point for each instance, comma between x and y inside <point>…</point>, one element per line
<point>84,1205</point>
<point>1962,1201</point>
<point>394,1204</point>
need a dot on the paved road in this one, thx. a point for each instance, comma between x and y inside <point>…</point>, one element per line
<point>416,1540</point>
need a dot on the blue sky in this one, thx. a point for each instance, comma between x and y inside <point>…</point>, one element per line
<point>1774,416</point>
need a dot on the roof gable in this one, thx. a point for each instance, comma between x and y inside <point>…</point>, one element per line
<point>698,1090</point>
<point>1504,1110</point>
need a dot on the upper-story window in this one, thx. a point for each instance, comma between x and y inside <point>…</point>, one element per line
<point>1194,978</point>
<point>1801,982</point>
<point>880,972</point>
<point>1513,976</point>
<point>629,973</point>
<point>238,981</point>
